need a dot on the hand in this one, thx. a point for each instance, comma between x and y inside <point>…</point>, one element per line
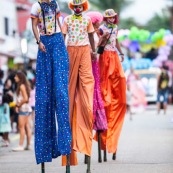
<point>106,35</point>
<point>42,47</point>
<point>17,109</point>
<point>122,58</point>
<point>94,56</point>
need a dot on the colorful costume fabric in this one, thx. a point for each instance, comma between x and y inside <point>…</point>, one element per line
<point>81,83</point>
<point>77,29</point>
<point>52,128</point>
<point>100,121</point>
<point>49,10</point>
<point>113,89</point>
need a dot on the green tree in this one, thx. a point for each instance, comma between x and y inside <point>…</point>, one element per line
<point>159,21</point>
<point>64,7</point>
<point>117,5</point>
<point>127,23</point>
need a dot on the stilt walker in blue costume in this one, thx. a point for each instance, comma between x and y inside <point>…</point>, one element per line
<point>52,102</point>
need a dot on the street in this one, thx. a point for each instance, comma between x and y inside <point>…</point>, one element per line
<point>146,146</point>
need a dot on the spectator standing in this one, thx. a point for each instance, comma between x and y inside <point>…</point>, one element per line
<point>24,110</point>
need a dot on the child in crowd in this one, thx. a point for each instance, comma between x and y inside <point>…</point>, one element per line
<point>5,124</point>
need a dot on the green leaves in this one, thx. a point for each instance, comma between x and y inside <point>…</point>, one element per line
<point>117,5</point>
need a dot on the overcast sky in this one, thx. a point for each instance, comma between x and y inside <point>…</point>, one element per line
<point>143,10</point>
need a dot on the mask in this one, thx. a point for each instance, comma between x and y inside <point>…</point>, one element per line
<point>111,20</point>
<point>78,10</point>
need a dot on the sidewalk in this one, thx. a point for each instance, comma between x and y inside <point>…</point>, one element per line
<point>146,146</point>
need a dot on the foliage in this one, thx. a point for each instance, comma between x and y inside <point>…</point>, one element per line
<point>127,23</point>
<point>64,7</point>
<point>117,5</point>
<point>158,21</point>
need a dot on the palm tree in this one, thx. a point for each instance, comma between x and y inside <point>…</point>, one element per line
<point>117,5</point>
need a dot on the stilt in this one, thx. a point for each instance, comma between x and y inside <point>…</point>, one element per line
<point>42,168</point>
<point>86,159</point>
<point>105,156</point>
<point>68,164</point>
<point>99,147</point>
<point>88,165</point>
<point>114,156</point>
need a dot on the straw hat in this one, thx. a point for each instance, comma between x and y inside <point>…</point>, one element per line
<point>109,13</point>
<point>79,2</point>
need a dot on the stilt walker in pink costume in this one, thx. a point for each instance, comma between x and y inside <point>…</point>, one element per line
<point>100,121</point>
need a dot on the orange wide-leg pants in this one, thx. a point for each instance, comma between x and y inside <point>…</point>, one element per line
<point>81,91</point>
<point>113,90</point>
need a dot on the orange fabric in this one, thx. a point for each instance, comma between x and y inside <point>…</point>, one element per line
<point>81,89</point>
<point>113,89</point>
<point>58,14</point>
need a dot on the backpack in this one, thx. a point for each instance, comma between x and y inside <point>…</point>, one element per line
<point>164,79</point>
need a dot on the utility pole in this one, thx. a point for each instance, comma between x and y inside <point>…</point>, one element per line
<point>171,13</point>
<point>171,25</point>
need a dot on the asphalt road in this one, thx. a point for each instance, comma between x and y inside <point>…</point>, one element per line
<point>145,146</point>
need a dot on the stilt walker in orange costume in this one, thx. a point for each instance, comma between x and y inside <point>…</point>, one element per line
<point>80,31</point>
<point>113,83</point>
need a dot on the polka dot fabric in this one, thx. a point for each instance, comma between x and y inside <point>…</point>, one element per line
<point>52,129</point>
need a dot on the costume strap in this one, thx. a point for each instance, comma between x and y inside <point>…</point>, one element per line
<point>55,21</point>
<point>109,37</point>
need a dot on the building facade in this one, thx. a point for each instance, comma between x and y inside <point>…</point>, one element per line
<point>9,37</point>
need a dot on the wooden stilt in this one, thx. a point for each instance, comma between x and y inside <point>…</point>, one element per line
<point>114,156</point>
<point>105,156</point>
<point>86,159</point>
<point>99,147</point>
<point>88,165</point>
<point>68,164</point>
<point>42,168</point>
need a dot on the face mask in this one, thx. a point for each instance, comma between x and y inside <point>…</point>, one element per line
<point>78,10</point>
<point>111,20</point>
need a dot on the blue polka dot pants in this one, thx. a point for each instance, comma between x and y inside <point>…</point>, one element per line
<point>52,129</point>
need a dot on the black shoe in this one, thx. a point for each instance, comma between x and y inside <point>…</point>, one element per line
<point>114,156</point>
